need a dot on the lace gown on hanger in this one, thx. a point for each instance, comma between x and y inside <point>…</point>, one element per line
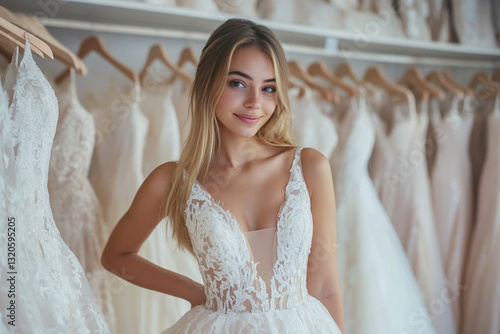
<point>244,296</point>
<point>7,200</point>
<point>481,302</point>
<point>52,292</point>
<point>379,290</point>
<point>398,169</point>
<point>76,209</point>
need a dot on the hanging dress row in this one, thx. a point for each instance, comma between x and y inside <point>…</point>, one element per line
<point>421,181</point>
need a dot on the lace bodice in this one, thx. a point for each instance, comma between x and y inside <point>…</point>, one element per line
<point>32,93</point>
<point>232,283</point>
<point>75,139</point>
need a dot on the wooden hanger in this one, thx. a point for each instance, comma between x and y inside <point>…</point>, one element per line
<point>413,78</point>
<point>158,52</point>
<point>467,90</point>
<point>5,51</point>
<point>187,55</point>
<point>484,79</point>
<point>375,76</point>
<point>9,43</point>
<point>15,36</point>
<point>439,78</point>
<point>319,69</point>
<point>297,71</point>
<point>302,89</point>
<point>96,44</point>
<point>61,52</point>
<point>34,26</point>
<point>345,70</point>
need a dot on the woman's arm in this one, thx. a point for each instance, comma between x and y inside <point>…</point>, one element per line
<point>120,255</point>
<point>322,277</point>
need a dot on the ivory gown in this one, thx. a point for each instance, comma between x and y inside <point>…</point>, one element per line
<point>481,302</point>
<point>379,290</point>
<point>76,209</point>
<point>398,169</point>
<point>451,187</point>
<point>116,174</point>
<point>52,293</point>
<point>311,127</point>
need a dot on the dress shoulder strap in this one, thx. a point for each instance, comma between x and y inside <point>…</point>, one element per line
<point>296,169</point>
<point>296,159</point>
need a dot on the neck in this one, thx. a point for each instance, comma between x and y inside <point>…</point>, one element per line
<point>235,152</point>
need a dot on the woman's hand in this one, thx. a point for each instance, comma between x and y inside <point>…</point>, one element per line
<point>198,297</point>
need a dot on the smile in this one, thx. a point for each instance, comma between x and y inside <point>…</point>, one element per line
<point>248,119</point>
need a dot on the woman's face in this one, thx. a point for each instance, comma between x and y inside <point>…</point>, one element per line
<point>249,96</point>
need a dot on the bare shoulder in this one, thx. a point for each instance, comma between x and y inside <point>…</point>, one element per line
<point>160,178</point>
<point>313,162</point>
<point>315,168</point>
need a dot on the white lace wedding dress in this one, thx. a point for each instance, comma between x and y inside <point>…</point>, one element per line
<point>240,297</point>
<point>52,292</point>
<point>379,290</point>
<point>7,201</point>
<point>76,209</point>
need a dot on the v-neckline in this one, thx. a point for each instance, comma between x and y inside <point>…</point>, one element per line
<point>224,207</point>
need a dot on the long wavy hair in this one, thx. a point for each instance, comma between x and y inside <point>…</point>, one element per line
<point>203,140</point>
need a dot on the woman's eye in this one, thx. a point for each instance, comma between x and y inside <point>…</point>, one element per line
<point>237,84</point>
<point>269,89</point>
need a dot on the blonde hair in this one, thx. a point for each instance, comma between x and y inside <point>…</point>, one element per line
<point>203,140</point>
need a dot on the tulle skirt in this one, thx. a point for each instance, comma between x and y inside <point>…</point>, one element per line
<point>309,316</point>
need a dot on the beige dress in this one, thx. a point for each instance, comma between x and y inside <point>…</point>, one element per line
<point>451,184</point>
<point>398,168</point>
<point>481,302</point>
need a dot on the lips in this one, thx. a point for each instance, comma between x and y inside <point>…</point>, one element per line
<point>249,119</point>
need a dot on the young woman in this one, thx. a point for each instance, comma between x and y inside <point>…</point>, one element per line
<point>257,212</point>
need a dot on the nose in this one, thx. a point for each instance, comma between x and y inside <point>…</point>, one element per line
<point>252,99</point>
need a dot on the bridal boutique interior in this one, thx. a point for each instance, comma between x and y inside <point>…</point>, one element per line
<point>403,97</point>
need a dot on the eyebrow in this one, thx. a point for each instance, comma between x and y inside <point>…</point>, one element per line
<point>249,77</point>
